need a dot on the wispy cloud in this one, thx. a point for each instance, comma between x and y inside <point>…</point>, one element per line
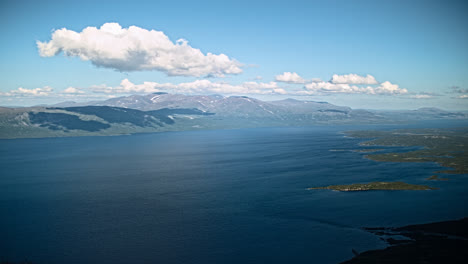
<point>462,92</point>
<point>48,92</point>
<point>22,92</point>
<point>421,96</point>
<point>457,89</point>
<point>137,49</point>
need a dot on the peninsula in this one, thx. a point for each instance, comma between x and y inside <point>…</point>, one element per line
<point>440,242</point>
<point>447,147</point>
<point>389,186</point>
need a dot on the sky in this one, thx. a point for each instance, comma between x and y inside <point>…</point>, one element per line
<point>362,54</point>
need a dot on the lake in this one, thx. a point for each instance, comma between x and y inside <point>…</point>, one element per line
<point>224,196</point>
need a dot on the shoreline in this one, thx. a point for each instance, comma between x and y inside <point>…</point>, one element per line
<point>437,242</point>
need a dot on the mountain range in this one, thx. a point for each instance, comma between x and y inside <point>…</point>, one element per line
<point>173,112</point>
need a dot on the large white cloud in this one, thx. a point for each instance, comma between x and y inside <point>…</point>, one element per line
<point>136,49</point>
<point>290,77</point>
<point>353,79</point>
<point>196,87</point>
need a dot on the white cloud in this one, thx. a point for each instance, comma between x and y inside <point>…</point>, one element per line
<point>128,87</point>
<point>289,77</point>
<point>464,96</point>
<point>196,87</point>
<point>345,84</point>
<point>329,87</point>
<point>353,79</point>
<point>206,86</point>
<point>48,92</point>
<point>20,92</point>
<point>72,90</point>
<point>136,49</point>
<point>389,88</point>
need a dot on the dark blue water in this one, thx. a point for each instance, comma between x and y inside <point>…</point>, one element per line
<point>233,196</point>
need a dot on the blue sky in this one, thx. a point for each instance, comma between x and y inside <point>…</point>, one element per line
<point>363,54</point>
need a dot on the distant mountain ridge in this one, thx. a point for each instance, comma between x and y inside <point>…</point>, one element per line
<point>247,107</point>
<point>232,106</point>
<point>174,112</point>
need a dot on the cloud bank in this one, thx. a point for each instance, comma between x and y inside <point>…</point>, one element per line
<point>195,87</point>
<point>206,86</point>
<point>22,92</point>
<point>353,84</point>
<point>137,49</point>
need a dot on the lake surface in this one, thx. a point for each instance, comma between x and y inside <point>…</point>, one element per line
<point>225,196</point>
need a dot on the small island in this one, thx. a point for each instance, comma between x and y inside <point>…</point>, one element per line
<point>372,186</point>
